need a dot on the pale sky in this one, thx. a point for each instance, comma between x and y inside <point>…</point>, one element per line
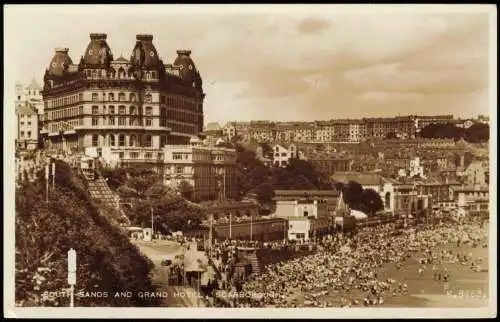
<point>280,63</point>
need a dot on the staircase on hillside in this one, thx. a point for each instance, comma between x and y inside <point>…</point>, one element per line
<point>254,261</point>
<point>99,190</point>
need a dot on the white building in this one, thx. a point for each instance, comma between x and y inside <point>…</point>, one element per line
<point>27,125</point>
<point>472,199</point>
<point>209,170</point>
<point>304,216</point>
<point>299,229</point>
<point>416,169</point>
<point>31,94</point>
<point>229,130</point>
<point>282,154</point>
<point>29,112</point>
<point>300,208</point>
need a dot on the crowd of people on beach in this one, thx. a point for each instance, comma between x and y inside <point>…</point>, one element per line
<point>348,271</point>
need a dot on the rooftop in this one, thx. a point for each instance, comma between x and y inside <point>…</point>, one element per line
<point>365,179</point>
<point>26,109</point>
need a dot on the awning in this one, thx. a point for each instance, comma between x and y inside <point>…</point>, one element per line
<point>358,214</point>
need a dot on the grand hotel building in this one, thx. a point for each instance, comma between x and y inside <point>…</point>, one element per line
<point>108,102</point>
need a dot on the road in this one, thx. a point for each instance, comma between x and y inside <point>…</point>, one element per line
<point>178,296</point>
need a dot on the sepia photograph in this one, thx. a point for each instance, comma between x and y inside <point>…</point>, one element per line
<point>312,161</point>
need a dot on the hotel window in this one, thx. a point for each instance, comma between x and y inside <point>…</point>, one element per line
<point>149,122</point>
<point>94,97</point>
<point>134,155</point>
<point>149,111</point>
<point>163,141</point>
<point>121,140</point>
<point>153,74</point>
<point>111,121</point>
<point>149,141</point>
<point>95,109</point>
<point>111,110</point>
<point>111,96</point>
<point>148,155</point>
<point>121,97</point>
<point>112,141</point>
<point>148,98</point>
<point>95,140</point>
<point>121,155</point>
<point>133,110</point>
<point>80,110</point>
<point>29,134</point>
<point>121,110</point>
<point>176,156</point>
<point>22,134</point>
<point>133,140</point>
<point>179,169</point>
<point>122,121</point>
<point>132,97</point>
<point>95,121</point>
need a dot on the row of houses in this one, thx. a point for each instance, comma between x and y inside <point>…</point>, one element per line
<point>340,130</point>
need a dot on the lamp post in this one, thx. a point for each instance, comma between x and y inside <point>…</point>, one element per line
<point>53,174</point>
<point>47,183</point>
<point>152,223</point>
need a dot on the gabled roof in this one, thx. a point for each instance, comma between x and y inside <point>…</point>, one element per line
<point>121,58</point>
<point>364,179</point>
<point>213,126</point>
<point>34,85</point>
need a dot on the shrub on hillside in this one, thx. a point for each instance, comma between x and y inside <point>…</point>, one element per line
<point>107,261</point>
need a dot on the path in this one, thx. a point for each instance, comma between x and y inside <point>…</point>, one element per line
<point>178,295</point>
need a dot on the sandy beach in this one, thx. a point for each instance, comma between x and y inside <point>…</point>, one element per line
<point>465,288</point>
<point>466,285</point>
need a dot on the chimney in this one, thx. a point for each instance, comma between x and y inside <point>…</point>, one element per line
<point>183,52</point>
<point>144,37</point>
<point>98,36</point>
<point>61,50</point>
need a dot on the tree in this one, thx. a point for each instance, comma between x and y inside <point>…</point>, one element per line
<point>353,194</point>
<point>357,198</point>
<point>371,201</point>
<point>442,131</point>
<point>478,132</point>
<point>186,189</point>
<point>264,192</point>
